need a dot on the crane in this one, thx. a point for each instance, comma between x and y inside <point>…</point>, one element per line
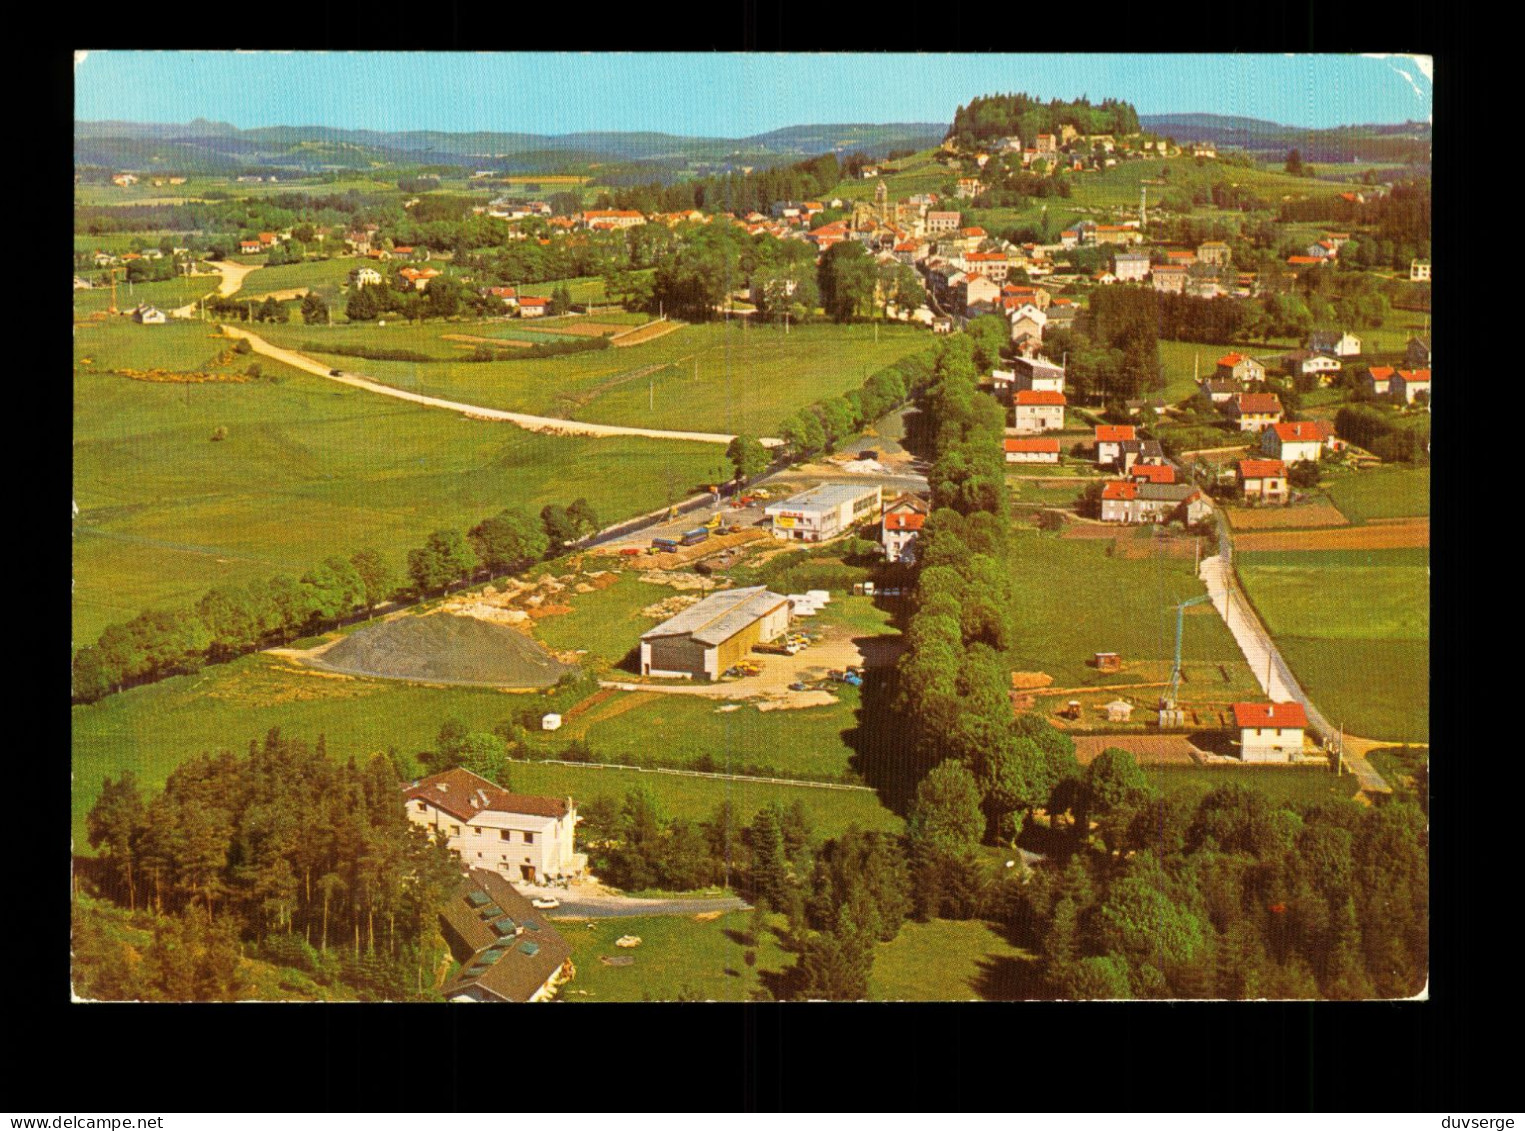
<point>1170,714</point>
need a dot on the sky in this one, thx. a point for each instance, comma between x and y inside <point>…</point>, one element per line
<point>721,94</point>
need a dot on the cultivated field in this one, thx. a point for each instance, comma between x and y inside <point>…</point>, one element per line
<point>1398,534</point>
<point>1304,516</point>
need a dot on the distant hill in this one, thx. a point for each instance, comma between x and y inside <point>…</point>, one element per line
<point>216,147</point>
<point>1405,142</point>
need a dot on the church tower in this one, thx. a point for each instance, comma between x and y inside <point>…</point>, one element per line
<point>882,200</point>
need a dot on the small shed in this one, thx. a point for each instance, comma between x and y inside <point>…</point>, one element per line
<point>1107,662</point>
<point>551,721</point>
<point>1119,711</point>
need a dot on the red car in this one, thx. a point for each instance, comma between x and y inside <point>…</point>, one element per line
<point>631,551</point>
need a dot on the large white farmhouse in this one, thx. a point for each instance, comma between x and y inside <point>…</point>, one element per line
<point>520,837</point>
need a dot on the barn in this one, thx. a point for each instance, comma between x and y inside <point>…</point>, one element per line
<point>703,641</point>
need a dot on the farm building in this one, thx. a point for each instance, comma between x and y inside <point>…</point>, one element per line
<point>1270,732</point>
<point>1032,449</point>
<point>1262,479</point>
<point>705,640</point>
<point>1107,662</point>
<point>824,512</point>
<point>507,951</point>
<point>1119,711</point>
<point>529,838</point>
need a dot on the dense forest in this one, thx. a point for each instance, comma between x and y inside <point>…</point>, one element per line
<point>1001,115</point>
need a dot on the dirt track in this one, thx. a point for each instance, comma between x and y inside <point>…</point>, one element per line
<point>551,425</point>
<point>232,279</point>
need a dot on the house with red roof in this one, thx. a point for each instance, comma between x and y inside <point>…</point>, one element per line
<point>519,836</point>
<point>1134,501</point>
<point>1109,440</point>
<point>1038,411</point>
<point>1378,380</point>
<point>1240,367</point>
<point>250,247</point>
<point>1270,732</point>
<point>532,306</point>
<point>901,526</point>
<point>1262,480</point>
<point>1254,411</point>
<point>1152,473</point>
<point>1409,383</point>
<point>1296,440</point>
<point>1032,449</point>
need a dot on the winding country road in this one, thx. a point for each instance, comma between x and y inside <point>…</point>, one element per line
<point>232,279</point>
<point>550,425</point>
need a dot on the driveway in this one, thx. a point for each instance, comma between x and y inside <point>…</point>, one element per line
<point>232,279</point>
<point>547,424</point>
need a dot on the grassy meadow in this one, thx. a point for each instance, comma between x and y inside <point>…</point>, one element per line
<point>720,377</point>
<point>1387,492</point>
<point>1354,626</point>
<point>1074,598</point>
<point>309,468</point>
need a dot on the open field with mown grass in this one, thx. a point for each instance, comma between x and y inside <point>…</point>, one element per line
<point>679,957</point>
<point>1354,626</point>
<point>1301,785</point>
<point>951,960</point>
<point>326,276</point>
<point>152,729</point>
<point>167,295</point>
<point>1118,187</point>
<point>1074,598</point>
<point>715,377</point>
<point>1386,492</point>
<point>309,468</point>
<point>680,729</point>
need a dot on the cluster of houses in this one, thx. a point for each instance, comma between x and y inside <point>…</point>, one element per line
<point>1203,272</point>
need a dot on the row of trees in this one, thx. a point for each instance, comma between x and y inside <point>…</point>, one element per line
<point>1385,435</point>
<point>284,841</point>
<point>1114,355</point>
<point>232,620</point>
<point>821,426</point>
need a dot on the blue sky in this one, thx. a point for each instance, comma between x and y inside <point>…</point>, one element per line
<point>726,95</point>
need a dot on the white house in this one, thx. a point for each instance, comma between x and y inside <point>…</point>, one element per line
<point>1109,441</point>
<point>1270,732</point>
<point>1296,440</point>
<point>514,835</point>
<point>1130,268</point>
<point>1343,344</point>
<point>1038,411</point>
<point>153,316</point>
<point>1032,449</point>
<point>1406,384</point>
<point>1038,375</point>
<point>365,277</point>
<point>903,520</point>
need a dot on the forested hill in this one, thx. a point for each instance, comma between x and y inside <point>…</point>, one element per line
<point>1000,115</point>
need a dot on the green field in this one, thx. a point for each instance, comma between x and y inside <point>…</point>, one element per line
<point>1354,626</point>
<point>607,622</point>
<point>1388,492</point>
<point>167,296</point>
<point>681,728</point>
<point>308,469</point>
<point>1072,599</point>
<point>1118,187</point>
<point>152,729</point>
<point>1301,785</point>
<point>715,377</point>
<point>678,957</point>
<point>951,960</point>
<point>326,276</point>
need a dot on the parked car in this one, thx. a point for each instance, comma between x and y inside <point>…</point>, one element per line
<point>336,373</point>
<point>545,902</point>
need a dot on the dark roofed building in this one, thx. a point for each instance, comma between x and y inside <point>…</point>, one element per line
<point>507,951</point>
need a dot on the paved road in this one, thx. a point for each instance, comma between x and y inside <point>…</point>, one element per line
<point>1271,670</point>
<point>622,907</point>
<point>548,424</point>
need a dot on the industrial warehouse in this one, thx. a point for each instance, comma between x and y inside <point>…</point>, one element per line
<point>824,512</point>
<point>705,640</point>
